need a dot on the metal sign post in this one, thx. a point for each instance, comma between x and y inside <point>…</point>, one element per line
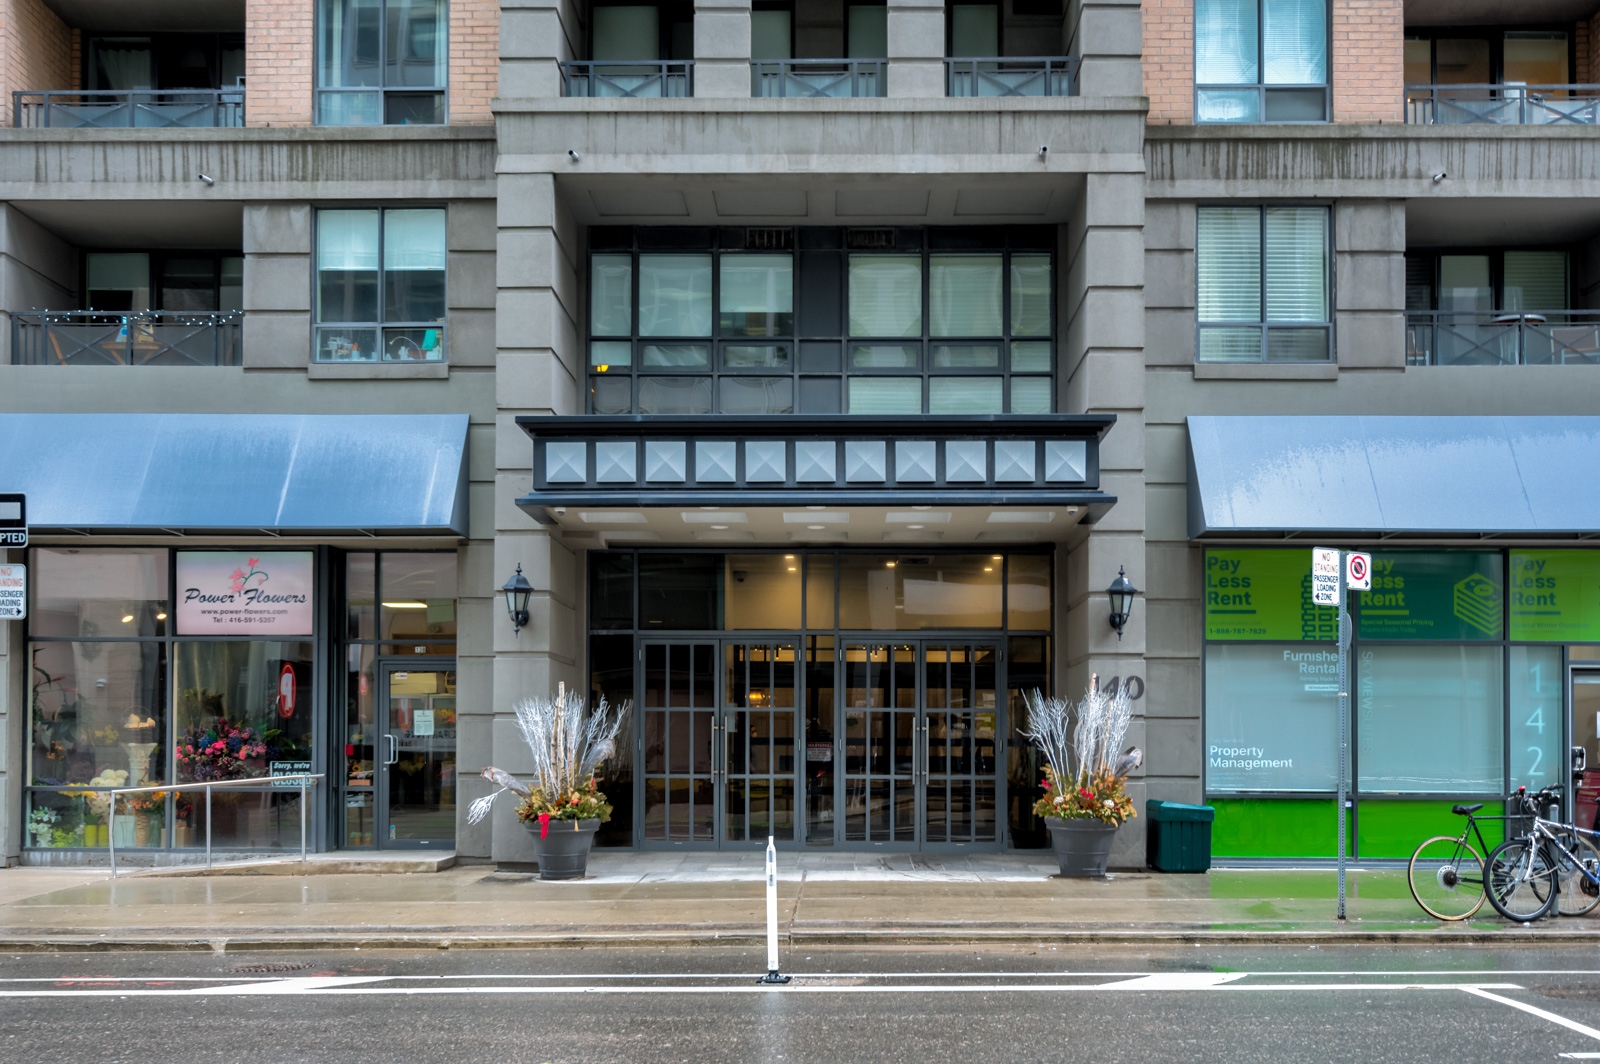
<point>772,975</point>
<point>1334,574</point>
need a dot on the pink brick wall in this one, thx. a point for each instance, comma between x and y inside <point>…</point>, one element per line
<point>474,60</point>
<point>1169,60</point>
<point>1368,60</point>
<point>37,50</point>
<point>278,56</point>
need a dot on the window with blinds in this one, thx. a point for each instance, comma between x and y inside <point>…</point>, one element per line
<point>380,285</point>
<point>889,321</point>
<point>1261,60</point>
<point>1263,284</point>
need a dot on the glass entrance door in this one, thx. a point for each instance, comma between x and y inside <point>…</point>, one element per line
<point>720,740</point>
<point>1586,733</point>
<point>920,744</point>
<point>415,776</point>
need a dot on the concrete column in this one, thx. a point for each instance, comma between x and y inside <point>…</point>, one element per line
<point>277,285</point>
<point>1108,36</point>
<point>1101,369</point>
<point>536,37</point>
<point>539,371</point>
<point>1369,318</point>
<point>722,48</point>
<point>916,48</point>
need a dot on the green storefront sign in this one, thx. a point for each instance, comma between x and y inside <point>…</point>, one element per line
<point>1264,594</point>
<point>1555,596</point>
<point>1458,596</point>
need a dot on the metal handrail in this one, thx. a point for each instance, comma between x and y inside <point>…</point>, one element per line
<point>1503,104</point>
<point>59,337</point>
<point>111,818</point>
<point>817,78</point>
<point>1502,337</point>
<point>1012,75</point>
<point>128,108</point>
<point>628,78</point>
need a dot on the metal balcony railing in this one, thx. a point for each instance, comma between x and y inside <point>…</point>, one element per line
<point>818,78</point>
<point>1050,75</point>
<point>1504,105</point>
<point>149,338</point>
<point>1503,338</point>
<point>628,79</point>
<point>129,109</point>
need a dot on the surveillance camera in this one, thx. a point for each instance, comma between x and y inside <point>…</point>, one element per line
<point>561,511</point>
<point>573,154</point>
<point>1044,149</point>
<point>1440,176</point>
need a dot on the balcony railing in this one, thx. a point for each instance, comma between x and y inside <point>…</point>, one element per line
<point>1050,75</point>
<point>818,78</point>
<point>131,109</point>
<point>628,79</point>
<point>150,338</point>
<point>1503,338</point>
<point>1503,105</point>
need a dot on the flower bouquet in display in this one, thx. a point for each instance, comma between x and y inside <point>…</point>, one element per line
<point>1085,780</point>
<point>220,751</point>
<point>564,806</point>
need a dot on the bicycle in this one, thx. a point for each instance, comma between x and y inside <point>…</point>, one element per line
<point>1551,865</point>
<point>1446,873</point>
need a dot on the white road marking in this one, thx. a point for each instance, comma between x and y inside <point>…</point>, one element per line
<point>327,986</point>
<point>1174,981</point>
<point>1579,1056</point>
<point>1571,1025</point>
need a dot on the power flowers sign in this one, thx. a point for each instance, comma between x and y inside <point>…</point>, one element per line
<point>262,593</point>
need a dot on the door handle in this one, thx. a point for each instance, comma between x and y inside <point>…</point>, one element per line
<point>394,749</point>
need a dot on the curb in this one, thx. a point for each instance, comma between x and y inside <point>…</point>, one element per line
<point>866,938</point>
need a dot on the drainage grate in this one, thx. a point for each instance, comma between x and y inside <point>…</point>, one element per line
<point>268,967</point>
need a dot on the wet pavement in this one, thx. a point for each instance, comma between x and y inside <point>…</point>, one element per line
<point>667,898</point>
<point>657,1006</point>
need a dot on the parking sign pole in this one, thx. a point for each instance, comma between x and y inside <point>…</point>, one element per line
<point>1344,722</point>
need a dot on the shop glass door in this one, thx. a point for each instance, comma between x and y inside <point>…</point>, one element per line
<point>960,759</point>
<point>415,778</point>
<point>1586,733</point>
<point>757,762</point>
<point>878,742</point>
<point>678,707</point>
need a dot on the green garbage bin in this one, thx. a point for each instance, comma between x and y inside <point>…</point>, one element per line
<point>1178,836</point>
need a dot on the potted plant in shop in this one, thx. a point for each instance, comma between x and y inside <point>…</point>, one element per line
<point>1085,786</point>
<point>563,807</point>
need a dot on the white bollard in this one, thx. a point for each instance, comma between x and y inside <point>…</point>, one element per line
<point>772,975</point>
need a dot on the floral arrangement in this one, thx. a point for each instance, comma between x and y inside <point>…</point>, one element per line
<point>568,743</point>
<point>41,824</point>
<point>219,751</point>
<point>97,803</point>
<point>1084,779</point>
<point>106,736</point>
<point>585,803</point>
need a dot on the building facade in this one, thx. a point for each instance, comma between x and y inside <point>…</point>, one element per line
<point>819,365</point>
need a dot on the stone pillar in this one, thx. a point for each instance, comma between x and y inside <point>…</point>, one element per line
<point>1107,36</point>
<point>916,48</point>
<point>539,371</point>
<point>536,37</point>
<point>722,48</point>
<point>276,332</point>
<point>1100,367</point>
<point>1369,317</point>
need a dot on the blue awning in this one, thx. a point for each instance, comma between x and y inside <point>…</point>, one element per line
<point>1394,475</point>
<point>284,473</point>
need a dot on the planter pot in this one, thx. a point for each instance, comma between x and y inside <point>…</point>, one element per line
<point>564,851</point>
<point>1082,846</point>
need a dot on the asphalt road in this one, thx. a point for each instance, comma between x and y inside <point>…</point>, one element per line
<point>1365,1004</point>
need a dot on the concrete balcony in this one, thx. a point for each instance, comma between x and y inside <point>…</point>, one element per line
<point>133,109</point>
<point>1503,105</point>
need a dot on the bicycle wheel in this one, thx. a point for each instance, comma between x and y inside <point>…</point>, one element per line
<point>1446,876</point>
<point>1579,894</point>
<point>1519,880</point>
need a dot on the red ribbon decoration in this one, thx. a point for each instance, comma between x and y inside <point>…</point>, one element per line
<point>544,824</point>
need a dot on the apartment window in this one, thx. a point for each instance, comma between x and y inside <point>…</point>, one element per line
<point>821,321</point>
<point>380,285</point>
<point>1263,284</point>
<point>381,62</point>
<point>185,281</point>
<point>1473,281</point>
<point>1261,60</point>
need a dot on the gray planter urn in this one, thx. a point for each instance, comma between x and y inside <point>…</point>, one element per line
<point>564,851</point>
<point>1082,847</point>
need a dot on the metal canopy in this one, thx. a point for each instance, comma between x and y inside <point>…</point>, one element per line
<point>275,473</point>
<point>1441,476</point>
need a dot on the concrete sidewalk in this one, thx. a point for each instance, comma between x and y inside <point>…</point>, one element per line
<point>661,899</point>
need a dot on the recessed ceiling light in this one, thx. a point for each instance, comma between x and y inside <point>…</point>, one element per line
<point>710,507</point>
<point>988,568</point>
<point>720,527</point>
<point>791,568</point>
<point>406,605</point>
<point>788,557</point>
<point>128,619</point>
<point>916,526</point>
<point>816,528</point>
<point>161,616</point>
<point>996,557</point>
<point>922,507</point>
<point>889,564</point>
<point>816,507</point>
